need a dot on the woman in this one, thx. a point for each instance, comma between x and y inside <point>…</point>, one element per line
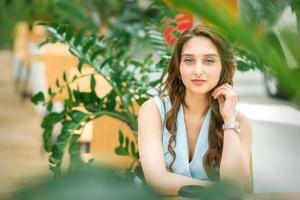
<point>192,136</point>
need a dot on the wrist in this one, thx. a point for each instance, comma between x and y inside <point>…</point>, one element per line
<point>235,125</point>
<point>229,120</point>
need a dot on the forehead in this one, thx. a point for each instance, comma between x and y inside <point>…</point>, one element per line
<point>199,46</point>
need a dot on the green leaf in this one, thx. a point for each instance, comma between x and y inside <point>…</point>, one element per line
<point>44,42</point>
<point>106,61</point>
<point>148,60</point>
<point>52,118</point>
<point>155,82</point>
<point>79,37</point>
<point>74,77</point>
<point>174,24</point>
<point>91,107</point>
<point>69,34</point>
<point>56,170</point>
<point>52,94</point>
<point>141,100</point>
<point>69,103</point>
<point>83,97</point>
<point>61,30</point>
<point>127,98</point>
<point>136,63</point>
<point>70,96</point>
<point>95,54</point>
<point>176,34</point>
<point>49,106</point>
<point>57,83</point>
<point>120,53</point>
<point>121,151</point>
<point>65,76</point>
<point>78,116</point>
<point>75,52</point>
<point>99,103</point>
<point>80,64</point>
<point>56,156</point>
<point>74,148</point>
<point>74,138</point>
<point>132,148</point>
<point>54,160</point>
<point>39,97</point>
<point>62,140</point>
<point>127,144</point>
<point>88,45</point>
<point>93,97</point>
<point>47,139</point>
<point>93,83</point>
<point>111,101</point>
<point>68,125</point>
<point>121,138</point>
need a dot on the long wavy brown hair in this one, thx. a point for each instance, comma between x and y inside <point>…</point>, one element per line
<point>175,89</point>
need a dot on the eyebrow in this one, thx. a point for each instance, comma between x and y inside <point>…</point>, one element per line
<point>205,55</point>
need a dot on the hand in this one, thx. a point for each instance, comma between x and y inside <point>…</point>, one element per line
<point>228,105</point>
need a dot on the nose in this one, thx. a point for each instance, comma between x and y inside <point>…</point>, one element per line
<point>198,69</point>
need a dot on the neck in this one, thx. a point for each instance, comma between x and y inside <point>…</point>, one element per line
<point>196,104</point>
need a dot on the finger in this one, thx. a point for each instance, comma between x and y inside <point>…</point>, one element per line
<point>228,88</point>
<point>224,92</point>
<point>229,91</point>
<point>220,101</point>
<point>217,89</point>
<point>226,85</point>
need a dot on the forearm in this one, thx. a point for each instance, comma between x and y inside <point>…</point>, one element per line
<point>234,167</point>
<point>169,183</point>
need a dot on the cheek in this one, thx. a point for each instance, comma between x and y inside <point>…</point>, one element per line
<point>184,72</point>
<point>185,75</point>
<point>215,75</point>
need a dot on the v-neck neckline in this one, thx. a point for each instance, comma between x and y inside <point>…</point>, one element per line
<point>199,137</point>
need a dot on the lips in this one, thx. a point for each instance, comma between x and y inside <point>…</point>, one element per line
<point>198,81</point>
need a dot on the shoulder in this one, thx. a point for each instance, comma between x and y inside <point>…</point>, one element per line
<point>149,120</point>
<point>149,109</point>
<point>148,105</point>
<point>155,104</point>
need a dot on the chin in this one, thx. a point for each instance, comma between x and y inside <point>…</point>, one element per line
<point>199,91</point>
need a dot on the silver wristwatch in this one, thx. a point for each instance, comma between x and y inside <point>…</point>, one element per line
<point>232,125</point>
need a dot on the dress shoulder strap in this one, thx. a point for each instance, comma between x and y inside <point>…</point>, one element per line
<point>161,104</point>
<point>164,106</point>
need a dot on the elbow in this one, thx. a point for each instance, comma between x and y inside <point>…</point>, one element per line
<point>238,178</point>
<point>160,185</point>
<point>246,183</point>
<point>237,173</point>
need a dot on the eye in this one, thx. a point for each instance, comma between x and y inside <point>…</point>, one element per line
<point>209,61</point>
<point>188,60</point>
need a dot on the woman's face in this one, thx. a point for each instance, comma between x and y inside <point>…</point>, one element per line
<point>200,61</point>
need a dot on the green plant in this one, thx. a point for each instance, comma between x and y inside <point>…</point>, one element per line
<point>88,182</point>
<point>99,182</point>
<point>129,78</point>
<point>60,11</point>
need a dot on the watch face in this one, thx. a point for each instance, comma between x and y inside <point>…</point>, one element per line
<point>235,126</point>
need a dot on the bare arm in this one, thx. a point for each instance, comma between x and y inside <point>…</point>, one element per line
<point>235,162</point>
<point>151,153</point>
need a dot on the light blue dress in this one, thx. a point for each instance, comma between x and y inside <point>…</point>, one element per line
<point>182,165</point>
